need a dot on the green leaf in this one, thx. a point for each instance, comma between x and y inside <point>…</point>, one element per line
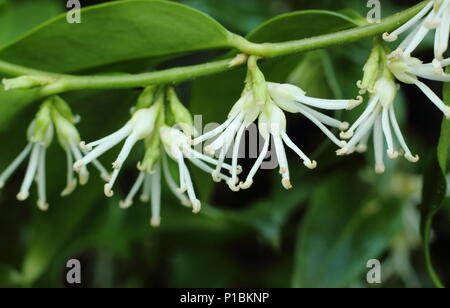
<point>300,25</point>
<point>342,230</point>
<point>19,17</point>
<point>9,277</point>
<point>116,32</point>
<point>435,187</point>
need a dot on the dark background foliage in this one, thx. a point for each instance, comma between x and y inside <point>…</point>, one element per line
<point>322,233</point>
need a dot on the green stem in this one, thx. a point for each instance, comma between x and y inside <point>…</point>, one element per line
<point>274,50</point>
<point>426,248</point>
<point>66,83</point>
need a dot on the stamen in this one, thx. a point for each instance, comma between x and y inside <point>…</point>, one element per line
<point>30,173</point>
<point>128,202</point>
<point>15,164</point>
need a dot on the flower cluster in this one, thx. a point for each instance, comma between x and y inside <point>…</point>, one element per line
<point>266,102</point>
<point>164,127</point>
<point>53,115</point>
<point>408,69</point>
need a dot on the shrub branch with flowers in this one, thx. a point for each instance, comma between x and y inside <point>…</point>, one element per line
<point>161,123</point>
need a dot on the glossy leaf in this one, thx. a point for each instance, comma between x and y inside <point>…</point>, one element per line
<point>116,32</point>
<point>342,230</point>
<point>300,25</point>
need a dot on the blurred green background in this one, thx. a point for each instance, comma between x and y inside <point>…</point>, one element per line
<point>320,234</point>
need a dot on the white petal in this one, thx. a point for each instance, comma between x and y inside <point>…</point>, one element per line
<point>322,127</point>
<point>172,185</point>
<point>156,197</point>
<point>126,150</point>
<point>306,160</point>
<point>71,181</point>
<point>15,164</point>
<point>42,193</point>
<point>282,161</point>
<point>330,104</point>
<point>118,135</point>
<point>394,35</point>
<point>234,171</point>
<point>128,202</point>
<point>388,134</point>
<point>146,188</point>
<point>378,146</point>
<point>327,120</point>
<point>30,173</point>
<point>366,114</point>
<point>400,138</point>
<point>255,168</point>
<point>433,97</point>
<point>214,132</point>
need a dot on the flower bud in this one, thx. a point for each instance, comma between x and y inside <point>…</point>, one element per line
<point>26,82</point>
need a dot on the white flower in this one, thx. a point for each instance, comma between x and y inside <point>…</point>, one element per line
<point>178,147</point>
<point>408,70</point>
<point>293,99</point>
<point>272,124</point>
<point>69,138</point>
<point>140,126</point>
<point>243,113</point>
<point>36,150</point>
<point>435,15</point>
<point>379,116</point>
<point>151,190</point>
